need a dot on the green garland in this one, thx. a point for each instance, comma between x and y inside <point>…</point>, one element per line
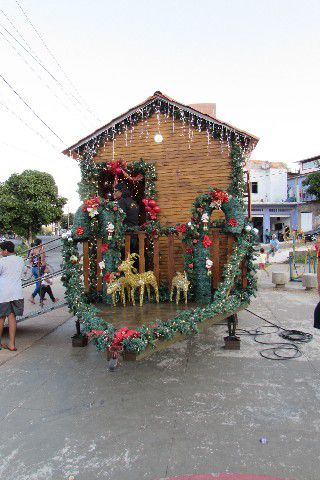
<point>229,297</point>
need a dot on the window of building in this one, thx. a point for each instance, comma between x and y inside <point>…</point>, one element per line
<point>254,187</point>
<point>310,164</point>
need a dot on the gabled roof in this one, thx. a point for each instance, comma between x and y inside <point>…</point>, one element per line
<point>159,96</point>
<point>317,157</point>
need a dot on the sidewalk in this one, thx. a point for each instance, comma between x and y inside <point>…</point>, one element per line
<point>192,409</point>
<point>34,329</point>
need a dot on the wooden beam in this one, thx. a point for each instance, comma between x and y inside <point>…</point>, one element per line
<point>230,243</point>
<point>99,259</point>
<point>156,257</point>
<point>142,263</point>
<point>171,264</point>
<point>244,274</point>
<point>214,254</point>
<point>86,266</point>
<point>127,245</point>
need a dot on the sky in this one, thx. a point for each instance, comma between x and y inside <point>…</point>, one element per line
<point>258,60</point>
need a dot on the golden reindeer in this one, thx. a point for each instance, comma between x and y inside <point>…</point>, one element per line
<point>138,280</point>
<point>181,282</point>
<point>118,285</point>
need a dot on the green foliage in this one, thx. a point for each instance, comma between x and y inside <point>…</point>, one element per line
<point>28,201</point>
<point>313,182</point>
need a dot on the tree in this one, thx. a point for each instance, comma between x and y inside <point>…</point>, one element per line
<point>313,182</point>
<point>28,201</point>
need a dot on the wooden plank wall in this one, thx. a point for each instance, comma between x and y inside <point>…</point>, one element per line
<point>185,168</point>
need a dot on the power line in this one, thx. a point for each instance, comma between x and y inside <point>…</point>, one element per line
<point>28,126</point>
<point>31,109</point>
<point>17,31</point>
<point>56,61</point>
<point>38,76</point>
<point>41,65</point>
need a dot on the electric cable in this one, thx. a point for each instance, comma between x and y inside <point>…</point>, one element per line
<point>278,350</point>
<point>17,31</point>
<point>31,109</point>
<point>65,106</point>
<point>68,94</point>
<point>28,126</point>
<point>83,104</point>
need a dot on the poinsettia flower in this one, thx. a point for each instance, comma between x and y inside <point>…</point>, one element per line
<point>181,228</point>
<point>80,231</point>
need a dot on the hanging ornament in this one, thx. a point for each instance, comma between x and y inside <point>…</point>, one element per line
<point>110,230</point>
<point>205,221</point>
<point>209,264</point>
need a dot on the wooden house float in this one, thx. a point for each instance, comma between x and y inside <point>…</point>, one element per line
<point>184,169</point>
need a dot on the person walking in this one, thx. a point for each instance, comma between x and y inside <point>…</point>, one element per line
<point>262,260</point>
<point>46,288</point>
<point>11,296</point>
<point>37,260</point>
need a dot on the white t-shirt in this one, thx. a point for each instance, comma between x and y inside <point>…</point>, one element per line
<point>11,268</point>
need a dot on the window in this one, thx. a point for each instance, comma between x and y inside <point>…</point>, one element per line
<point>254,187</point>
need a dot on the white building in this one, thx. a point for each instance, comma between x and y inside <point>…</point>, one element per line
<point>270,210</point>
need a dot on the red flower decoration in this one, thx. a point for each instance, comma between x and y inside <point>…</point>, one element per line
<point>92,202</point>
<point>195,240</point>
<point>189,250</point>
<point>80,231</point>
<point>104,247</point>
<point>233,222</point>
<point>107,277</point>
<point>122,333</point>
<point>181,228</point>
<point>206,242</point>
<point>190,265</point>
<point>219,196</point>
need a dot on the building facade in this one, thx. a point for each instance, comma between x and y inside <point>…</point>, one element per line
<point>308,207</point>
<point>271,211</point>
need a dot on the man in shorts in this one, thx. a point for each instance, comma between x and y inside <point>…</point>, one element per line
<point>11,297</point>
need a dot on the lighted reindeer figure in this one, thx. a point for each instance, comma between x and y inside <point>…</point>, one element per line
<point>118,285</point>
<point>181,282</point>
<point>138,280</point>
<point>112,289</point>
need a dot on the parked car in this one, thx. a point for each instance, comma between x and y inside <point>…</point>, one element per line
<point>311,234</point>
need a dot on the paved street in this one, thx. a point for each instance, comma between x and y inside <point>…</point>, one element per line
<point>192,409</point>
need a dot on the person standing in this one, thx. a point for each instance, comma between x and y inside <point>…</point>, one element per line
<point>316,323</point>
<point>37,260</point>
<point>274,244</point>
<point>267,235</point>
<point>131,209</point>
<point>11,296</point>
